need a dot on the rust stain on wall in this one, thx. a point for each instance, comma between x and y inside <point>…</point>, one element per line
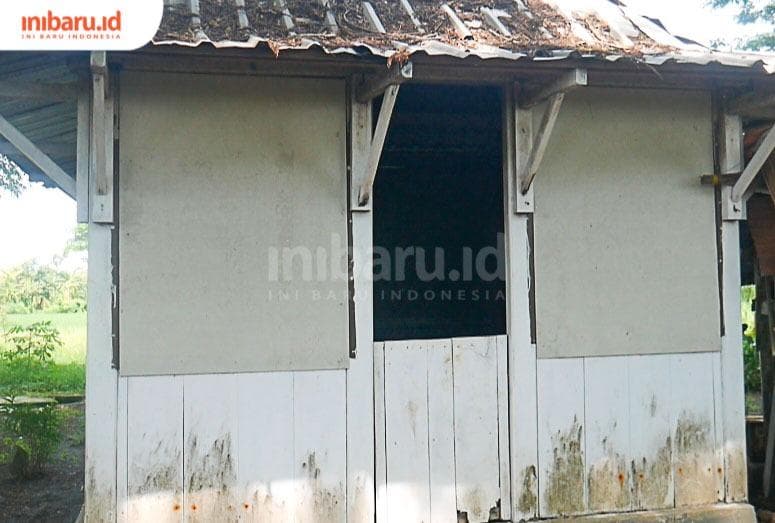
<point>210,478</point>
<point>694,461</point>
<point>652,478</point>
<point>528,497</point>
<point>565,489</point>
<point>608,483</point>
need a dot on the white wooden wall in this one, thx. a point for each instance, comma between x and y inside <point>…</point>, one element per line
<point>255,447</point>
<point>442,430</point>
<point>628,433</point>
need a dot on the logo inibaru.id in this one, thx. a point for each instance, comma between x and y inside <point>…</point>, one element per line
<point>78,24</point>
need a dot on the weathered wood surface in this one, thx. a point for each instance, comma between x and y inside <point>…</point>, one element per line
<point>438,409</point>
<point>629,433</point>
<point>255,447</point>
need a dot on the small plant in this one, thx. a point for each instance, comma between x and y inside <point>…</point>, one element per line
<point>33,345</point>
<point>34,436</point>
<point>752,367</point>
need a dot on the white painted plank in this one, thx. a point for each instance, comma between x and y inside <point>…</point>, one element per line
<point>83,159</point>
<point>504,465</point>
<point>154,417</point>
<point>562,477</point>
<point>406,408</point>
<point>210,447</point>
<point>319,441</point>
<point>607,433</point>
<point>360,375</point>
<point>101,383</point>
<point>441,430</point>
<point>101,147</point>
<point>718,426</point>
<point>122,452</point>
<point>651,431</point>
<point>694,456</point>
<point>476,427</point>
<point>732,389</point>
<point>523,429</point>
<point>380,447</point>
<point>265,465</point>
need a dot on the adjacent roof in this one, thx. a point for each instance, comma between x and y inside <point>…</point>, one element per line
<point>511,29</point>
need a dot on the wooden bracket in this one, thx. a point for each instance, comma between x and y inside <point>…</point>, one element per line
<point>563,84</point>
<point>376,85</point>
<point>375,149</point>
<point>532,146</point>
<point>766,147</point>
<point>101,141</point>
<point>33,153</point>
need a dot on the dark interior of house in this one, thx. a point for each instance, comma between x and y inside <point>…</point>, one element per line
<point>438,199</point>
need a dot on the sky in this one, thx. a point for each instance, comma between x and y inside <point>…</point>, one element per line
<point>39,222</point>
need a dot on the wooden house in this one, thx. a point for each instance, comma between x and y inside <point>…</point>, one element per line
<point>273,334</point>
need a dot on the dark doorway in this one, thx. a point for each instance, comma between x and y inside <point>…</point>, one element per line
<point>438,216</point>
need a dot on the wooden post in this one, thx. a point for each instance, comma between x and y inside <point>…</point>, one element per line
<point>731,358</point>
<point>360,378</point>
<point>523,420</point>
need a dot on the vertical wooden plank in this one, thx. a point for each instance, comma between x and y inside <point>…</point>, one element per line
<point>122,452</point>
<point>694,455</point>
<point>265,468</point>
<point>607,433</point>
<point>101,173</point>
<point>476,427</point>
<point>504,458</point>
<point>651,442</point>
<point>154,416</point>
<point>360,377</point>
<point>406,408</point>
<point>82,154</point>
<point>718,426</point>
<point>562,477</point>
<point>101,382</point>
<point>380,435</point>
<point>732,382</point>
<point>210,447</point>
<point>320,446</point>
<point>523,405</point>
<point>441,431</point>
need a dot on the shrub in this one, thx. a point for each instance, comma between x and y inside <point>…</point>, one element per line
<point>32,345</point>
<point>34,436</point>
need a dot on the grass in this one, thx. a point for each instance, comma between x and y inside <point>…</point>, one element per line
<point>72,332</point>
<point>66,375</point>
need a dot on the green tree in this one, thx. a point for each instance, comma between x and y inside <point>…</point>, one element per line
<point>80,240</point>
<point>751,12</point>
<point>11,177</point>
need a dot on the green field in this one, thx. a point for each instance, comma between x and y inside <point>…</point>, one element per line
<point>71,327</point>
<point>66,375</point>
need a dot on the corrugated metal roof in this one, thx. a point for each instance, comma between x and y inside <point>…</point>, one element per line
<point>509,29</point>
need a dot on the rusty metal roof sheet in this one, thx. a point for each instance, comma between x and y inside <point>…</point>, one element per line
<point>509,29</point>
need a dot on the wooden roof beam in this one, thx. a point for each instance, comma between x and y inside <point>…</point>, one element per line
<point>376,85</point>
<point>47,166</point>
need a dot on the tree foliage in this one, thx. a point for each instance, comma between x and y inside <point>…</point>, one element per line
<point>751,12</point>
<point>32,287</point>
<point>12,178</point>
